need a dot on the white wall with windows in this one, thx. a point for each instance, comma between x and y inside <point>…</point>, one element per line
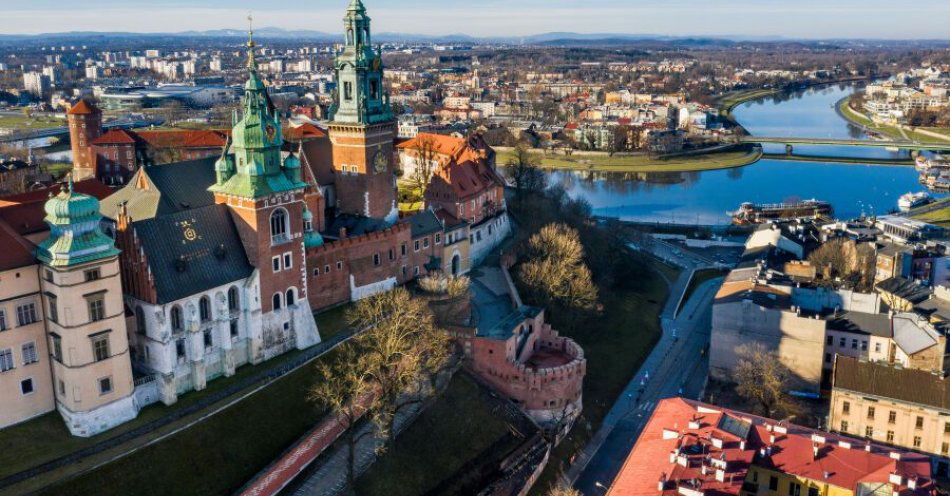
<point>487,235</point>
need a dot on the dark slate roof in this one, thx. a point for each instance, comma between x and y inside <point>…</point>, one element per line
<point>879,379</point>
<point>193,251</point>
<point>423,223</point>
<point>170,188</point>
<point>355,225</point>
<point>864,323</point>
<point>904,288</point>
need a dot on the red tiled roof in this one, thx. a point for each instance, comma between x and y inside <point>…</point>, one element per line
<point>463,162</point>
<point>187,138</point>
<point>115,137</point>
<point>683,436</point>
<point>82,107</point>
<point>14,250</point>
<point>24,212</point>
<point>303,131</point>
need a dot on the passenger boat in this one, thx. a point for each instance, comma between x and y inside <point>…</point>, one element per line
<point>911,201</point>
<point>750,213</point>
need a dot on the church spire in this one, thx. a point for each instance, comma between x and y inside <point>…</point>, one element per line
<point>251,61</point>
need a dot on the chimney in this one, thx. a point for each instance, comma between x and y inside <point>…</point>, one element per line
<point>814,451</point>
<point>912,483</point>
<point>661,484</point>
<point>742,445</point>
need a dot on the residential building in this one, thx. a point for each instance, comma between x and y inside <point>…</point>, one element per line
<point>690,448</point>
<point>894,405</point>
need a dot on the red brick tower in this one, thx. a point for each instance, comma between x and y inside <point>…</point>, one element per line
<point>363,126</point>
<point>85,125</point>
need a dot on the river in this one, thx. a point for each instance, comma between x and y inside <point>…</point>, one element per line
<point>707,197</point>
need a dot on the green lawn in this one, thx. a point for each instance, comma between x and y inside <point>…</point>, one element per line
<point>449,434</point>
<point>940,217</point>
<point>890,131</point>
<point>731,100</point>
<point>23,122</point>
<point>214,457</point>
<point>614,350</point>
<point>46,438</point>
<point>642,163</point>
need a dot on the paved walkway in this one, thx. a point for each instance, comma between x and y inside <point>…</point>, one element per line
<point>673,328</point>
<point>216,403</point>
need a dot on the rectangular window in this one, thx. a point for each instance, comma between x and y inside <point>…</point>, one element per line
<point>275,263</point>
<point>48,275</point>
<point>892,417</point>
<point>794,489</point>
<point>26,314</point>
<point>180,349</point>
<point>869,431</point>
<point>813,491</point>
<point>347,90</point>
<point>29,353</point>
<point>57,348</point>
<point>208,340</point>
<point>919,424</point>
<point>842,342</point>
<point>870,413</point>
<point>97,308</point>
<point>105,385</point>
<point>234,328</point>
<point>288,261</point>
<point>846,407</point>
<point>326,269</point>
<point>6,360</point>
<point>438,238</point>
<point>877,347</point>
<point>62,388</point>
<point>425,242</point>
<point>773,483</point>
<point>415,270</point>
<point>854,344</point>
<point>376,259</point>
<point>339,266</point>
<point>100,348</point>
<point>827,357</point>
<point>844,426</point>
<point>403,249</point>
<point>392,254</point>
<point>26,386</point>
<point>53,313</point>
<point>917,441</point>
<point>91,274</point>
<point>3,320</point>
<point>946,427</point>
<point>415,245</point>
<point>890,436</point>
<point>829,340</point>
<point>864,346</point>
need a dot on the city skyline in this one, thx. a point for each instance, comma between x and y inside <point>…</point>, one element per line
<point>873,19</point>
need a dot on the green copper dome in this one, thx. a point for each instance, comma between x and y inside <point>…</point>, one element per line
<point>75,234</point>
<point>311,238</point>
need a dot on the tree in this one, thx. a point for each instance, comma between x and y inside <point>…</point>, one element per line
<point>555,272</point>
<point>426,160</point>
<point>617,139</point>
<point>563,490</point>
<point>400,351</point>
<point>762,378</point>
<point>524,172</point>
<point>384,369</point>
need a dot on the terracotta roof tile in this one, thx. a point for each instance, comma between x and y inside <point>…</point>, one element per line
<point>83,107</point>
<point>115,137</point>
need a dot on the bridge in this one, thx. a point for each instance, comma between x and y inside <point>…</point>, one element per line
<point>64,131</point>
<point>792,140</point>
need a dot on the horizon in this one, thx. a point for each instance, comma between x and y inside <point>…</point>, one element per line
<point>807,20</point>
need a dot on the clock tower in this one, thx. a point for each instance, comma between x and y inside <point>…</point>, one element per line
<point>362,127</point>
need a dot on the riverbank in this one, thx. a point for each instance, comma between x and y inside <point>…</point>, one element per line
<point>729,101</point>
<point>642,163</point>
<point>896,132</point>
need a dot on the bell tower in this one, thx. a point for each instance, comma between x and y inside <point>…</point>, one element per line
<point>362,127</point>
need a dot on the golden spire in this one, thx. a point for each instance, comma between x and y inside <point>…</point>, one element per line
<point>251,62</point>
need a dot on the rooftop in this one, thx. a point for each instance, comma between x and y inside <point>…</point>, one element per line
<point>889,381</point>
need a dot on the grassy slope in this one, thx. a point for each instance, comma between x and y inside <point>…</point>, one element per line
<point>46,438</point>
<point>447,435</point>
<point>642,163</point>
<point>23,122</point>
<point>890,131</point>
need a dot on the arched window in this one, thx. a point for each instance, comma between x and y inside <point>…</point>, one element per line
<point>139,320</point>
<point>176,318</point>
<point>291,296</point>
<point>233,302</point>
<point>204,308</point>
<point>349,36</point>
<point>278,226</point>
<point>276,301</point>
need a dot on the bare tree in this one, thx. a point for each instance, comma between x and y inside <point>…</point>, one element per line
<point>555,271</point>
<point>426,159</point>
<point>524,172</point>
<point>763,379</point>
<point>563,490</point>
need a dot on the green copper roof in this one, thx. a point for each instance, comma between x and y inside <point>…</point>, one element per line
<point>251,164</point>
<point>75,235</point>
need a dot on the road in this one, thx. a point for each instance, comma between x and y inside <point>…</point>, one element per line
<point>665,379</point>
<point>662,375</point>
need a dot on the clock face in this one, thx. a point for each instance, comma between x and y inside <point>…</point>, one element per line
<point>271,132</point>
<point>380,161</point>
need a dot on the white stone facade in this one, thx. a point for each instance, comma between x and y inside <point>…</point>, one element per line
<point>101,419</point>
<point>487,235</point>
<point>189,351</point>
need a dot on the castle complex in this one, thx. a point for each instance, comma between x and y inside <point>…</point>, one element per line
<point>193,268</point>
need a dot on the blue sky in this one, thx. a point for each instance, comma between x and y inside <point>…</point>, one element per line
<point>791,18</point>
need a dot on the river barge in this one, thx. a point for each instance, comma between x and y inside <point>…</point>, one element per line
<point>750,213</point>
